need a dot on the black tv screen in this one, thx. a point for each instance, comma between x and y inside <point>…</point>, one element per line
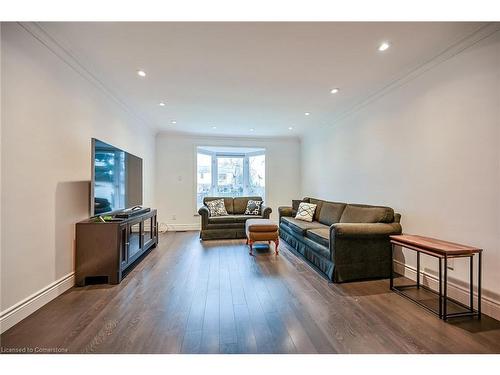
<point>116,179</point>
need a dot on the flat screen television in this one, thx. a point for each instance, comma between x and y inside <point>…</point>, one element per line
<point>116,179</point>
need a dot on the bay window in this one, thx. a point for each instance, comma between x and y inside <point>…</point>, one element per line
<point>230,172</point>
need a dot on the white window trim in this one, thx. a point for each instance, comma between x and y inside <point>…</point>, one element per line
<point>214,171</point>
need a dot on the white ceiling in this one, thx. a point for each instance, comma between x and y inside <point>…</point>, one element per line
<point>238,76</point>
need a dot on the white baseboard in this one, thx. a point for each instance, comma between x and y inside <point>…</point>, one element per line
<point>29,305</point>
<point>489,306</point>
<point>182,227</point>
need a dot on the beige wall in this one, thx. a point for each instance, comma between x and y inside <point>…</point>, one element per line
<point>431,150</point>
<point>175,173</point>
<point>50,112</point>
<point>1,126</point>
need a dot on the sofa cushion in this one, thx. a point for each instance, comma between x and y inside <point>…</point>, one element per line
<point>295,203</point>
<point>260,225</point>
<point>306,211</point>
<point>228,202</point>
<point>331,212</point>
<point>354,213</point>
<point>229,219</point>
<point>319,235</point>
<point>319,206</point>
<point>217,208</point>
<point>240,204</point>
<point>253,207</point>
<point>300,226</point>
<point>304,244</point>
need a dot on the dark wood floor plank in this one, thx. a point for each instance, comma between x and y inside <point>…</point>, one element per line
<point>296,325</point>
<point>257,317</point>
<point>189,296</point>
<point>192,342</point>
<point>282,341</point>
<point>226,313</point>
<point>246,342</point>
<point>196,314</point>
<point>170,309</point>
<point>210,340</point>
<point>343,336</point>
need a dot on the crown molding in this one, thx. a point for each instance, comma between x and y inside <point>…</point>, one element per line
<point>201,136</point>
<point>68,57</point>
<point>456,48</point>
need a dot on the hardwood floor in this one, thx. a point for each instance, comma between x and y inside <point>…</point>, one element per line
<point>189,296</point>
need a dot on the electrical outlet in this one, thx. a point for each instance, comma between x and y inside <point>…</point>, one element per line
<point>173,217</point>
<point>451,264</point>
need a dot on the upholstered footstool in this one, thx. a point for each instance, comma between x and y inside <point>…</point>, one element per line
<point>261,230</point>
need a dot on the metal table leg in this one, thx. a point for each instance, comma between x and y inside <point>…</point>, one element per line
<point>440,289</point>
<point>391,282</point>
<point>471,291</point>
<point>418,269</point>
<point>445,286</point>
<point>479,274</point>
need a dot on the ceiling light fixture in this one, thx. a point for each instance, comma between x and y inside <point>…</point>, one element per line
<point>307,113</point>
<point>214,127</point>
<point>384,46</point>
<point>251,129</point>
<point>162,104</point>
<point>174,122</point>
<point>141,73</point>
<point>335,90</point>
<point>290,128</point>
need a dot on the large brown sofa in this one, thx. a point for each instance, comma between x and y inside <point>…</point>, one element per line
<point>232,225</point>
<point>344,241</point>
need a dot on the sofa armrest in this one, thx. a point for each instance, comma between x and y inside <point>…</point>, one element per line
<point>360,250</point>
<point>204,214</point>
<point>285,211</point>
<point>363,230</point>
<point>266,211</point>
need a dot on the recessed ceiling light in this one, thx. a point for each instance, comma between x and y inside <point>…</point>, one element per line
<point>161,104</point>
<point>335,90</point>
<point>307,113</point>
<point>251,129</point>
<point>214,127</point>
<point>384,46</point>
<point>174,122</point>
<point>141,73</point>
<point>290,128</point>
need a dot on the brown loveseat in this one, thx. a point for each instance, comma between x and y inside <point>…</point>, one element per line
<point>344,241</point>
<point>232,225</point>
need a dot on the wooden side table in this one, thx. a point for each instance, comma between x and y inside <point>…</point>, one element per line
<point>442,250</point>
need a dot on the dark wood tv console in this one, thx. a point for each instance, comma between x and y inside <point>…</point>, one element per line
<point>105,250</point>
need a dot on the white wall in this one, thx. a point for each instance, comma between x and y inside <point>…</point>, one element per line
<point>1,125</point>
<point>176,166</point>
<point>431,150</point>
<point>49,115</point>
